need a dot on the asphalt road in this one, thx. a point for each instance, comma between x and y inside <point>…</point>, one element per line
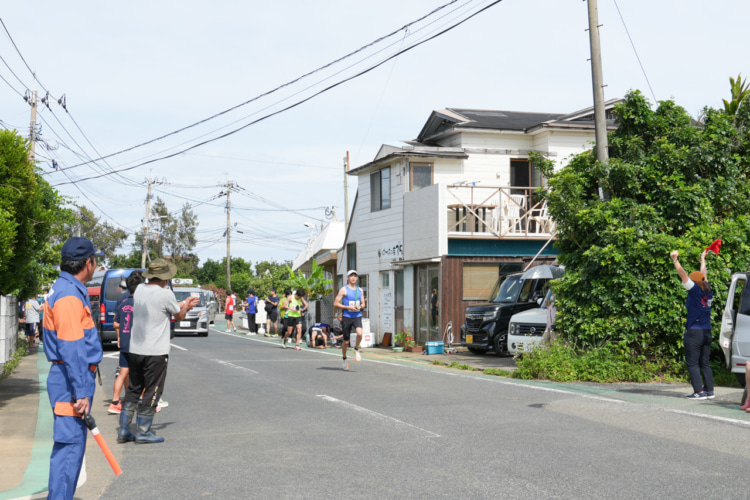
<point>247,419</point>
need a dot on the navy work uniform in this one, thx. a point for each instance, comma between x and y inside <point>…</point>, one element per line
<point>71,343</point>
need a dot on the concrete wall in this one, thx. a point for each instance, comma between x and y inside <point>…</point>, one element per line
<point>8,327</point>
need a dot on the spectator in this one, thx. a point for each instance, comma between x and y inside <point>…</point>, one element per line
<point>32,319</point>
<point>153,304</point>
<point>272,311</point>
<point>229,312</point>
<point>252,310</point>
<point>123,323</point>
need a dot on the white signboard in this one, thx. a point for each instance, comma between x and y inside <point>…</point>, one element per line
<point>391,251</point>
<point>386,311</point>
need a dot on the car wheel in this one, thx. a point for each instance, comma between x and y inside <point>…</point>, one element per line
<point>500,344</point>
<point>740,379</point>
<point>476,350</point>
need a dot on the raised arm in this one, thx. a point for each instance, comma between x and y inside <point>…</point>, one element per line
<point>680,271</point>
<point>704,270</point>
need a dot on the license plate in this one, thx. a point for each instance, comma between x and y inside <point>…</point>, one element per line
<point>184,324</point>
<point>470,339</point>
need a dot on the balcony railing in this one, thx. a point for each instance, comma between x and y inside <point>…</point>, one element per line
<point>501,212</point>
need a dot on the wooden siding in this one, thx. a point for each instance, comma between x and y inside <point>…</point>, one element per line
<point>452,305</point>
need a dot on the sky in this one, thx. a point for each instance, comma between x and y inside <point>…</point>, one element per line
<point>134,72</point>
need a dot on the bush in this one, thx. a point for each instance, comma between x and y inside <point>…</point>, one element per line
<point>563,362</point>
<point>22,350</point>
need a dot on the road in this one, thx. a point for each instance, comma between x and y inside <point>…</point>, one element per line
<point>247,419</point>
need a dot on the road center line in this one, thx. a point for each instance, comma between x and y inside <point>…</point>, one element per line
<point>375,414</point>
<point>236,367</point>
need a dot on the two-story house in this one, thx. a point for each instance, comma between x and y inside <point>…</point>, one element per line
<point>437,220</point>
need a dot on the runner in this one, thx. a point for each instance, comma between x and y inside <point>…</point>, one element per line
<point>229,312</point>
<point>296,306</point>
<point>352,300</point>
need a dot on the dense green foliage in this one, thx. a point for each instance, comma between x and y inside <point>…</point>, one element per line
<point>103,235</point>
<point>29,211</point>
<point>675,184</point>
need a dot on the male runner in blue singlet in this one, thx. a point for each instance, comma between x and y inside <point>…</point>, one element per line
<point>352,301</point>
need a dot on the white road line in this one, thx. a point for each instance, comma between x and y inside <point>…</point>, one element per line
<point>499,380</point>
<point>178,347</point>
<point>113,355</point>
<point>236,367</point>
<point>375,414</point>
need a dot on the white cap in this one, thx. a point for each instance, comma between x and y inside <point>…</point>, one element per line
<point>350,272</point>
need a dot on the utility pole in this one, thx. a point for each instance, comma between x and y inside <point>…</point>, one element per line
<point>228,185</point>
<point>32,126</point>
<point>600,117</point>
<point>346,191</point>
<point>146,221</point>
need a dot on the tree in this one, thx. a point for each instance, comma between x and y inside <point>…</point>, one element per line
<point>740,91</point>
<point>178,234</point>
<point>315,285</point>
<point>103,235</point>
<point>676,185</point>
<point>29,212</point>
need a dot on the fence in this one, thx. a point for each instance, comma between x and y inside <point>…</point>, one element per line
<point>8,327</point>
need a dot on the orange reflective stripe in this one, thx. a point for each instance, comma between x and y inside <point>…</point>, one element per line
<point>65,410</point>
<point>49,317</point>
<point>69,314</point>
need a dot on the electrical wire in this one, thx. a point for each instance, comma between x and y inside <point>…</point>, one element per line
<point>298,103</point>
<point>643,70</point>
<point>287,84</point>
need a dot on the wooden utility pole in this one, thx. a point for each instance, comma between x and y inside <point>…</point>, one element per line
<point>600,116</point>
<point>146,220</point>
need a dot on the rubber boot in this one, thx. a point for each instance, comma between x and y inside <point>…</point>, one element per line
<point>126,416</point>
<point>145,418</point>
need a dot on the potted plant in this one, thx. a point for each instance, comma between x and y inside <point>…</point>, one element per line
<point>412,346</point>
<point>400,341</point>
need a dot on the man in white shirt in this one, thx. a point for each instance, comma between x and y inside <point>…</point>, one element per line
<point>153,304</point>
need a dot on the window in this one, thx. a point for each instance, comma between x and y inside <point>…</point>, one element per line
<point>421,175</point>
<point>479,279</point>
<point>380,189</point>
<point>351,256</point>
<point>385,279</point>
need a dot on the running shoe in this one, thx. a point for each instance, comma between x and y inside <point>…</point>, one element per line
<point>346,365</point>
<point>162,403</point>
<point>357,356</point>
<point>696,396</point>
<point>297,348</point>
<point>115,409</point>
<point>228,331</point>
<point>283,344</point>
<point>708,394</point>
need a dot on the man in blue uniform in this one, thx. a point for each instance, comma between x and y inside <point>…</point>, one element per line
<point>72,344</point>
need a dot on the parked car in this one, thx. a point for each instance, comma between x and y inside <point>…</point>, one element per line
<point>526,328</point>
<point>197,319</point>
<point>112,286</point>
<point>486,325</point>
<point>734,335</point>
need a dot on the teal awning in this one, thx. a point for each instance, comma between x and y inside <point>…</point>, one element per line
<point>498,248</point>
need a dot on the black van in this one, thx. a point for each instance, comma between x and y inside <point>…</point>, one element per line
<point>486,325</point>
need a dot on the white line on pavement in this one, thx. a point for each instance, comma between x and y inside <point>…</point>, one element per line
<point>113,355</point>
<point>236,367</point>
<point>178,347</point>
<point>375,414</point>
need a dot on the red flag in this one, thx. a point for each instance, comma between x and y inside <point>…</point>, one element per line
<point>715,246</point>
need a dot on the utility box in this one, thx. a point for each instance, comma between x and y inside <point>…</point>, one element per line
<point>435,347</point>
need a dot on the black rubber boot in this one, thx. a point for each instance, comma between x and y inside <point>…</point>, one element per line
<point>145,418</point>
<point>126,416</point>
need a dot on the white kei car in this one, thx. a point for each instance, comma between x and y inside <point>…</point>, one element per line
<point>526,329</point>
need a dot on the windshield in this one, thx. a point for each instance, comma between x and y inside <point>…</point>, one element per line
<point>182,295</point>
<point>507,289</point>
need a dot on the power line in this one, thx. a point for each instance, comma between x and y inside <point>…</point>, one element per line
<point>643,70</point>
<point>298,103</point>
<point>287,84</point>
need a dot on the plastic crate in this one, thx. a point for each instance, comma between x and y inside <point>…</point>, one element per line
<point>435,347</point>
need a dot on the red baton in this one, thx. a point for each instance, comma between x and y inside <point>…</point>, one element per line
<point>91,424</point>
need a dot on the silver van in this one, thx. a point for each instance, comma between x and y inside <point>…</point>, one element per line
<point>734,336</point>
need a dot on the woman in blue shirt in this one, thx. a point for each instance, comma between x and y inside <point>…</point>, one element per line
<point>697,337</point>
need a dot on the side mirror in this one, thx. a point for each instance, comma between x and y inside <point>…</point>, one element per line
<point>540,301</point>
